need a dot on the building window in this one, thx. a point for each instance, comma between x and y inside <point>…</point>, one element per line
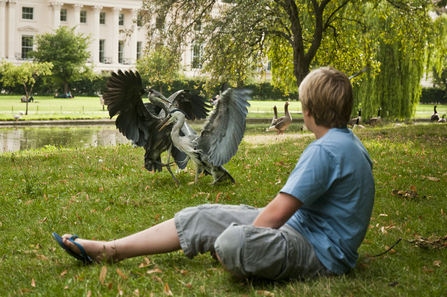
<point>160,23</point>
<point>139,21</point>
<point>198,26</point>
<point>121,22</point>
<point>120,51</point>
<point>63,15</point>
<point>83,19</point>
<point>102,18</point>
<point>139,47</point>
<point>27,13</point>
<point>102,47</point>
<point>27,46</point>
<point>197,55</point>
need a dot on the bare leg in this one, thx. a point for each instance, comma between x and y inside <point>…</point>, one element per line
<point>158,239</point>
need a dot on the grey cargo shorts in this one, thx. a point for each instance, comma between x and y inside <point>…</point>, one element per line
<point>243,248</point>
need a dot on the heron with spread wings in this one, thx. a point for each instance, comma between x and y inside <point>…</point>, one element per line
<point>138,121</point>
<point>220,138</point>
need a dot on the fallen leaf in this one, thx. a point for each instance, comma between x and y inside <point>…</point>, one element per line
<point>66,287</point>
<point>437,263</point>
<point>29,202</point>
<point>25,290</point>
<point>156,278</point>
<point>413,188</point>
<point>89,293</point>
<point>120,292</point>
<point>431,178</point>
<point>156,270</point>
<point>217,197</point>
<point>202,289</point>
<point>393,284</point>
<point>64,273</point>
<point>121,274</point>
<point>136,292</point>
<point>42,257</point>
<point>265,293</point>
<point>110,285</point>
<point>383,215</point>
<point>102,275</point>
<point>167,290</point>
<point>363,265</point>
<point>93,210</point>
<point>33,283</point>
<point>427,270</point>
<point>442,212</point>
<point>392,251</point>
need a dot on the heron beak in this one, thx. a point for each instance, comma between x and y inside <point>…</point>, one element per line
<point>164,123</point>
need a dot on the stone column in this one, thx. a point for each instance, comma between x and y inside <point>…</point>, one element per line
<point>77,15</point>
<point>95,39</point>
<point>56,14</point>
<point>133,38</point>
<point>115,34</point>
<point>12,31</point>
<point>2,29</point>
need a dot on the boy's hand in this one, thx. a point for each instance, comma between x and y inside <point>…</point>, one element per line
<point>278,212</point>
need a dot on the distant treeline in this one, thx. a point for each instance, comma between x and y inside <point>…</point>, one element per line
<point>96,87</point>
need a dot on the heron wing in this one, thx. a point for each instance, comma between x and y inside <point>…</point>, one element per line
<point>123,97</point>
<point>225,127</point>
<point>195,106</point>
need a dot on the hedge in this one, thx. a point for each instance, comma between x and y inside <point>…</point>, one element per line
<point>262,91</point>
<point>433,96</point>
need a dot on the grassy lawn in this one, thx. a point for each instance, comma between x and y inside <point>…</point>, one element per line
<point>49,108</point>
<point>104,193</point>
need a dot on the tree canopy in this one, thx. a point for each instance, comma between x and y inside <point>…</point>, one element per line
<point>24,74</point>
<point>295,36</point>
<point>160,66</point>
<point>68,51</point>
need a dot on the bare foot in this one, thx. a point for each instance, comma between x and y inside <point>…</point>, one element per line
<point>99,251</point>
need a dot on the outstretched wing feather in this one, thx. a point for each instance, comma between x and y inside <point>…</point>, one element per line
<point>123,97</point>
<point>196,107</point>
<point>225,127</point>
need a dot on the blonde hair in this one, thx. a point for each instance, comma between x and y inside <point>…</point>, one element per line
<point>327,94</point>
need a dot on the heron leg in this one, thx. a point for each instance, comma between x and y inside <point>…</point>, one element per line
<point>169,167</point>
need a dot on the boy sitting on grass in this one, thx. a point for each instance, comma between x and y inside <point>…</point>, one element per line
<point>313,227</point>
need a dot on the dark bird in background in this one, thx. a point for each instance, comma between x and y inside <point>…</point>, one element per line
<point>442,120</point>
<point>353,121</point>
<point>435,116</point>
<point>281,124</point>
<point>375,120</point>
<point>138,121</point>
<point>220,138</point>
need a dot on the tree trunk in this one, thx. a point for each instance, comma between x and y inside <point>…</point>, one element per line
<point>66,87</point>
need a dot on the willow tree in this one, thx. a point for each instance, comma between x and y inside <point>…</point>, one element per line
<point>405,56</point>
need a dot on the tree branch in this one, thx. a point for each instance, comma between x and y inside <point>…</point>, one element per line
<point>333,13</point>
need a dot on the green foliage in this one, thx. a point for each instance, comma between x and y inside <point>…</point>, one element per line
<point>160,66</point>
<point>68,51</point>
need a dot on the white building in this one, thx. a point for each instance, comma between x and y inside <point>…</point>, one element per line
<point>21,21</point>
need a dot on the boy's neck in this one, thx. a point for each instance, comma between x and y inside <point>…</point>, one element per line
<point>318,130</point>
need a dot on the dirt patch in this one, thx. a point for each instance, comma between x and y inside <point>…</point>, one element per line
<point>270,139</point>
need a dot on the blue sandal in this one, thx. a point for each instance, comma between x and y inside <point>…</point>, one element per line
<point>81,257</point>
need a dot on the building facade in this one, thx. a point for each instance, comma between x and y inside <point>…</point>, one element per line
<point>21,21</point>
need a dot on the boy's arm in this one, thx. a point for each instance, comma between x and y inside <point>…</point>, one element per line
<point>278,212</point>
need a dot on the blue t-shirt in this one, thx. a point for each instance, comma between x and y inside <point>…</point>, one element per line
<point>334,180</point>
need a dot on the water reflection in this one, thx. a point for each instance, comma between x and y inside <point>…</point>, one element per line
<point>15,139</point>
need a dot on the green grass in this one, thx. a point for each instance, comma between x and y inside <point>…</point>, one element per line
<point>49,108</point>
<point>105,193</point>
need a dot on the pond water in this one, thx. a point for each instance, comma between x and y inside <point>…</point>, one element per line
<point>15,139</point>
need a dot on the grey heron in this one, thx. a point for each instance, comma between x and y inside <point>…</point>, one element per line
<point>220,138</point>
<point>283,122</point>
<point>138,121</point>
